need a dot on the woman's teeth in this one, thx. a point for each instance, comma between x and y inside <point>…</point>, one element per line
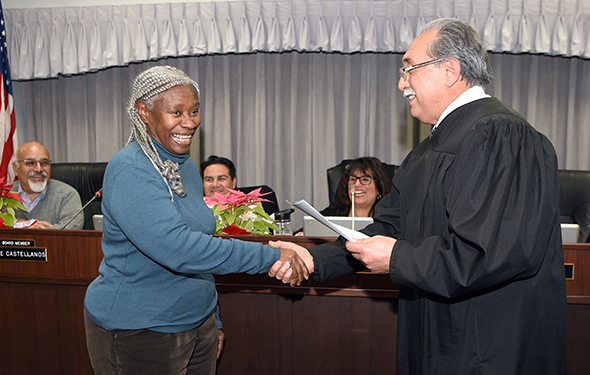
<point>182,138</point>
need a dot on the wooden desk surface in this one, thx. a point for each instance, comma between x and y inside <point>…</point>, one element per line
<point>73,258</point>
<point>345,326</point>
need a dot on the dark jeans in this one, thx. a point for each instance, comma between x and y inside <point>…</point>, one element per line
<point>149,352</point>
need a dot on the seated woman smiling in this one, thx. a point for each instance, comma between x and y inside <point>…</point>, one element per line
<point>369,181</point>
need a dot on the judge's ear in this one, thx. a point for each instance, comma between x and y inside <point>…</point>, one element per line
<point>143,110</point>
<point>452,68</point>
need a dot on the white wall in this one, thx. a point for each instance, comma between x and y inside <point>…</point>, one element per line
<point>15,4</point>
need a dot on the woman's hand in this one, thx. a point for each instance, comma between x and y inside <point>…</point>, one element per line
<point>290,268</point>
<point>279,269</point>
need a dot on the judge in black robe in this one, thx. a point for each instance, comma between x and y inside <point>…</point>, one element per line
<point>478,258</point>
<point>478,254</point>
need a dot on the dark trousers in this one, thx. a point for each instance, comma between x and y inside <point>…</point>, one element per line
<point>148,352</point>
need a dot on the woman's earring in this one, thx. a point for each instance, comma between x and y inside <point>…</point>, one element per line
<point>378,197</point>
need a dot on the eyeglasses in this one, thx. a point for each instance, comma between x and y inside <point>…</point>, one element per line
<point>403,71</point>
<point>364,180</point>
<point>32,163</point>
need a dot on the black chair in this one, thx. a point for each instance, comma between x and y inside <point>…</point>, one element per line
<point>574,200</point>
<point>335,174</point>
<point>86,178</point>
<point>270,207</point>
<point>574,194</point>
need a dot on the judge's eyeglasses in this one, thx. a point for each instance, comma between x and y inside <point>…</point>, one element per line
<point>364,180</point>
<point>403,71</point>
<point>32,163</point>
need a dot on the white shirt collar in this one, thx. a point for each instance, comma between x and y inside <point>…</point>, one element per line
<point>472,94</point>
<point>29,203</point>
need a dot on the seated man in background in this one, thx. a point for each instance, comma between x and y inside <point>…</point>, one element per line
<point>219,174</point>
<point>51,203</point>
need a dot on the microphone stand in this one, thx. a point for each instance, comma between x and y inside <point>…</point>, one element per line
<point>96,195</point>
<point>352,193</point>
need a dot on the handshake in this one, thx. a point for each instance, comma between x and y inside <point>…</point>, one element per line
<point>295,264</point>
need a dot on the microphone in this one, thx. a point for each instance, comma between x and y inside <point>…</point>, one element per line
<point>96,195</point>
<point>352,193</point>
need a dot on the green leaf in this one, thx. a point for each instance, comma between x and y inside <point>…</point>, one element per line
<point>262,227</point>
<point>229,220</point>
<point>259,210</point>
<point>9,221</point>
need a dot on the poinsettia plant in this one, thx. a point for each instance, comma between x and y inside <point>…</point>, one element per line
<point>9,201</point>
<point>241,213</point>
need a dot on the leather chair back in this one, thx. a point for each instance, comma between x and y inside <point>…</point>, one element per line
<point>270,207</point>
<point>87,179</point>
<point>574,200</point>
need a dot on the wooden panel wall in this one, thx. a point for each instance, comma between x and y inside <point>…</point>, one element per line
<point>346,326</point>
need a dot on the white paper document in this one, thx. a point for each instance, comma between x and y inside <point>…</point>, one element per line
<point>349,234</point>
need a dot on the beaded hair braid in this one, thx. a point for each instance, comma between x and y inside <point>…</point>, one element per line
<point>147,85</point>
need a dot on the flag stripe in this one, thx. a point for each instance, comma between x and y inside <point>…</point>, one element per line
<point>8,139</point>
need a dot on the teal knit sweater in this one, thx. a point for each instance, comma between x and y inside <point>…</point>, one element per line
<point>159,251</point>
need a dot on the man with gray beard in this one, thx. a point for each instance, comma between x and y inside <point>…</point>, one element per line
<point>51,203</point>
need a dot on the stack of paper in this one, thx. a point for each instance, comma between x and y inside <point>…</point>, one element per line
<point>349,234</point>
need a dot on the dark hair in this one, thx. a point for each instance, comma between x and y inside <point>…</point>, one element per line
<point>458,39</point>
<point>369,165</point>
<point>214,159</point>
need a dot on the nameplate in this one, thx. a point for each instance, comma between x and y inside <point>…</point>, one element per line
<point>569,271</point>
<point>22,250</point>
<point>17,243</point>
<point>35,254</point>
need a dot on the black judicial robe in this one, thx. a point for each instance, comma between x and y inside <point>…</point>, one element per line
<point>479,258</point>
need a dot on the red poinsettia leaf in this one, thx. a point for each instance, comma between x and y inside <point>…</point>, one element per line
<point>233,230</point>
<point>256,193</point>
<point>14,195</point>
<point>211,201</point>
<point>254,196</point>
<point>236,192</point>
<point>261,200</point>
<point>235,200</point>
<point>221,198</point>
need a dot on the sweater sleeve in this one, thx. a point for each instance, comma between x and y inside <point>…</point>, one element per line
<point>169,229</point>
<point>70,204</point>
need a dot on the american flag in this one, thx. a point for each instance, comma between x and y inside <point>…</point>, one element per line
<point>8,138</point>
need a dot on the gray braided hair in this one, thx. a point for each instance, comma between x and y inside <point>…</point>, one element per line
<point>147,86</point>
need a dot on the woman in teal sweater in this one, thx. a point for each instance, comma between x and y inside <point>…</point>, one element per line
<point>151,310</point>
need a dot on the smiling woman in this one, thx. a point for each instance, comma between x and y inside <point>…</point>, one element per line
<point>173,118</point>
<point>156,281</point>
<point>365,178</point>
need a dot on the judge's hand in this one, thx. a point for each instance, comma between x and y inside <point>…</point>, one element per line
<point>290,268</point>
<point>40,224</point>
<point>374,252</point>
<point>301,251</point>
